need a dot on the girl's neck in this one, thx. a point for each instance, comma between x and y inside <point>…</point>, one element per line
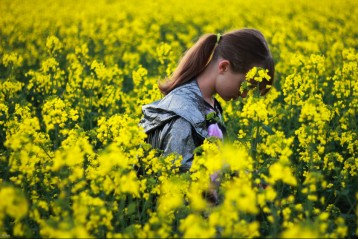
<point>206,82</point>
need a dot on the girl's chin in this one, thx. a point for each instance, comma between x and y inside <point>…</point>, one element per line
<point>230,98</point>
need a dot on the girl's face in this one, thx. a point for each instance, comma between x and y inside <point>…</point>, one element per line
<point>228,83</point>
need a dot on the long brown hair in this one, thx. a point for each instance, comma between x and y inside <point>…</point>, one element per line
<point>244,49</point>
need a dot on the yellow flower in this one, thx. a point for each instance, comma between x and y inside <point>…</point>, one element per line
<point>172,194</point>
<point>15,205</point>
<point>53,44</point>
<point>251,73</point>
<point>299,231</point>
<point>240,194</point>
<point>279,171</point>
<point>12,59</point>
<point>194,226</point>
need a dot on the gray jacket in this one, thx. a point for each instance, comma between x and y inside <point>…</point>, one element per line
<point>177,123</point>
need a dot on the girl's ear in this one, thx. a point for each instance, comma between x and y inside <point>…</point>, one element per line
<point>224,66</point>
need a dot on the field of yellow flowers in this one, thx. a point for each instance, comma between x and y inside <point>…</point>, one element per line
<point>74,162</point>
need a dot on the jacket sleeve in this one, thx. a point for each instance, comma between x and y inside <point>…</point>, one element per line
<point>175,136</point>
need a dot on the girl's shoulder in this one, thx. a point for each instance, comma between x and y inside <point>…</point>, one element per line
<point>185,97</point>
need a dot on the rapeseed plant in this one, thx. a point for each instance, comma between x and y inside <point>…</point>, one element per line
<point>75,163</point>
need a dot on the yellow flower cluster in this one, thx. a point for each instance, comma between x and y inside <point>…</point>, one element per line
<point>54,114</point>
<point>13,204</point>
<point>74,163</point>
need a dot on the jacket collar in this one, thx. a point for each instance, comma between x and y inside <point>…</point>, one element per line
<point>185,101</point>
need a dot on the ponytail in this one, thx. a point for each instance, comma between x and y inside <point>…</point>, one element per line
<point>192,64</point>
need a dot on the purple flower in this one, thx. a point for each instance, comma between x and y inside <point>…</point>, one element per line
<point>214,130</point>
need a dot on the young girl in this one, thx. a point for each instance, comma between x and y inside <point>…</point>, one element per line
<point>216,64</point>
